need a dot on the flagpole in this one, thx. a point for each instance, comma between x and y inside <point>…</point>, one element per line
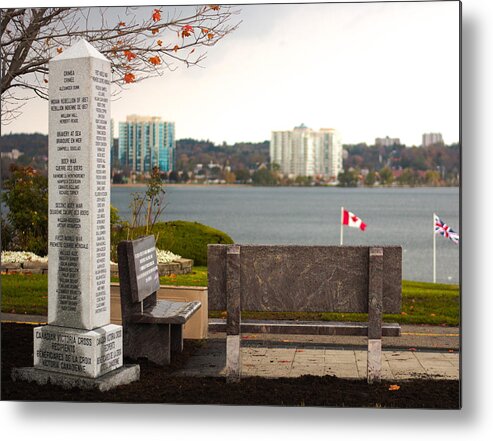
<point>434,252</point>
<point>342,218</point>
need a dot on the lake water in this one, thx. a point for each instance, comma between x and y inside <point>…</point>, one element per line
<point>311,216</point>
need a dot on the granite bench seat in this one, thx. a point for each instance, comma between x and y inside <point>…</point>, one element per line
<point>165,311</point>
<point>299,278</point>
<point>152,328</point>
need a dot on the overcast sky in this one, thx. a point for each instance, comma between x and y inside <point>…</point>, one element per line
<point>367,70</point>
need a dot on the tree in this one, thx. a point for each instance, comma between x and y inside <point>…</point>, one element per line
<point>386,176</point>
<point>264,177</point>
<point>26,197</point>
<point>348,178</point>
<point>370,178</point>
<point>242,175</point>
<point>137,48</point>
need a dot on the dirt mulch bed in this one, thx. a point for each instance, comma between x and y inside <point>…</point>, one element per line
<point>157,386</point>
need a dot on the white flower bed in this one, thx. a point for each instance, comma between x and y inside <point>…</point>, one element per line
<point>21,256</point>
<point>26,256</point>
<point>166,256</point>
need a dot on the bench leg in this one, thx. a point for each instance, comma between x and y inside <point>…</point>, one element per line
<point>147,341</point>
<point>177,338</point>
<point>374,361</point>
<point>233,359</point>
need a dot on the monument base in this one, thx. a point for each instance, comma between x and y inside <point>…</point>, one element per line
<point>119,377</point>
<point>78,352</point>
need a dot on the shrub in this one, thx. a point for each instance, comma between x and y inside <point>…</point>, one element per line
<point>26,198</point>
<point>188,239</point>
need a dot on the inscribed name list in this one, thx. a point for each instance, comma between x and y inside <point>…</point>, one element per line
<point>79,195</point>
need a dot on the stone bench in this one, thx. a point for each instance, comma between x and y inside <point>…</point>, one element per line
<point>290,278</point>
<point>152,328</point>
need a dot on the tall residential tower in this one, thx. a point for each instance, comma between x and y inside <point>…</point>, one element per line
<point>145,142</point>
<point>306,152</point>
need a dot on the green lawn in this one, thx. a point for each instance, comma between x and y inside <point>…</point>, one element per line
<point>422,303</point>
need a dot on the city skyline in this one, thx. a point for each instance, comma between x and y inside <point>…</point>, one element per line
<point>324,65</point>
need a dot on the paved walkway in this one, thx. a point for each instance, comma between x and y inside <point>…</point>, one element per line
<point>271,359</point>
<point>420,352</point>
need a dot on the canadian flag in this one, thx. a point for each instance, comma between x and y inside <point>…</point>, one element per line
<point>351,220</point>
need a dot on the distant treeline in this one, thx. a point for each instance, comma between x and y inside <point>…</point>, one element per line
<point>436,164</point>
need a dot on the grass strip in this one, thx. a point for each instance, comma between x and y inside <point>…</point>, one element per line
<point>422,302</point>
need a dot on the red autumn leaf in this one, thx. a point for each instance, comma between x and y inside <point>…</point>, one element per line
<point>205,30</point>
<point>156,15</point>
<point>122,23</point>
<point>215,7</point>
<point>210,35</point>
<point>394,387</point>
<point>154,31</point>
<point>159,42</point>
<point>45,80</point>
<point>130,55</point>
<point>176,48</point>
<point>59,50</point>
<point>155,60</point>
<point>186,31</point>
<point>129,77</point>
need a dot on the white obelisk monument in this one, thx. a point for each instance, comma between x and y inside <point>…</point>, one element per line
<point>79,339</point>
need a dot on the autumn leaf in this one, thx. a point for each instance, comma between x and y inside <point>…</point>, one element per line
<point>210,35</point>
<point>129,77</point>
<point>122,23</point>
<point>154,31</point>
<point>59,50</point>
<point>394,387</point>
<point>403,313</point>
<point>45,80</point>
<point>155,60</point>
<point>156,15</point>
<point>215,7</point>
<point>159,42</point>
<point>130,55</point>
<point>176,48</point>
<point>186,31</point>
<point>205,30</point>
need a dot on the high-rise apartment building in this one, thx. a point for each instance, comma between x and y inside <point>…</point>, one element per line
<point>145,142</point>
<point>432,139</point>
<point>306,152</point>
<point>387,142</point>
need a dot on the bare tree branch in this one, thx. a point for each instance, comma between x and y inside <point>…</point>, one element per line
<point>137,48</point>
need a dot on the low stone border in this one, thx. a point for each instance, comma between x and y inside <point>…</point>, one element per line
<point>180,266</point>
<point>25,267</point>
